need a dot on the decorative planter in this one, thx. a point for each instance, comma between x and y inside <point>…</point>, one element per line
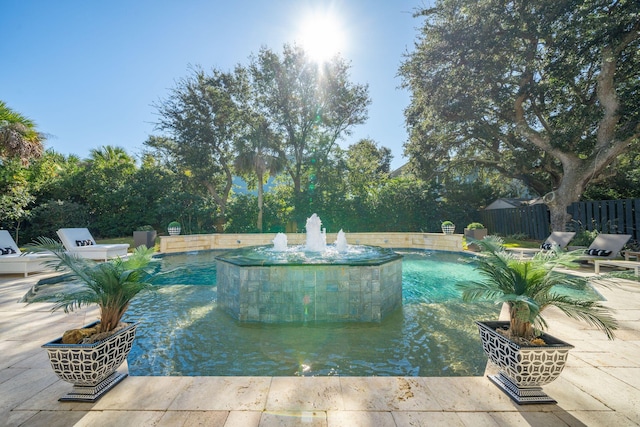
<point>146,238</point>
<point>448,229</point>
<point>523,369</point>
<point>174,231</point>
<point>475,234</point>
<point>91,368</point>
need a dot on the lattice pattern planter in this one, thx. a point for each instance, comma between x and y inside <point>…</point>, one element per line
<point>91,368</point>
<point>448,229</point>
<point>523,369</point>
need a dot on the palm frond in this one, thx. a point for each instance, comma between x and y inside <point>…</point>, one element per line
<point>527,286</point>
<point>110,285</point>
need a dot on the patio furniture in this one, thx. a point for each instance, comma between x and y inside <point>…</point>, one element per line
<point>605,246</point>
<point>629,254</point>
<point>633,265</point>
<point>13,261</point>
<point>559,239</point>
<point>79,241</point>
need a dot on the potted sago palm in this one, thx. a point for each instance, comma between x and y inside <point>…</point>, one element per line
<point>89,357</point>
<point>527,357</point>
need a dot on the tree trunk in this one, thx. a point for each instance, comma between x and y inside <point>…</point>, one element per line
<point>571,186</point>
<point>260,201</point>
<point>518,326</point>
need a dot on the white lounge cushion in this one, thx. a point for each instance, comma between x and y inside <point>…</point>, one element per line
<point>80,241</point>
<point>17,262</point>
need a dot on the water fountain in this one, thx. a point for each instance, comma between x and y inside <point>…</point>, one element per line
<point>311,282</point>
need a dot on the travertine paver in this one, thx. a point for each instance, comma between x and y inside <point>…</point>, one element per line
<point>145,393</point>
<point>599,387</point>
<point>243,418</point>
<point>383,394</point>
<point>195,418</point>
<point>120,418</point>
<point>305,394</point>
<point>49,419</point>
<point>360,419</point>
<point>223,394</point>
<point>294,418</point>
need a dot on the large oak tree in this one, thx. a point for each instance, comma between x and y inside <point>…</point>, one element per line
<point>544,91</point>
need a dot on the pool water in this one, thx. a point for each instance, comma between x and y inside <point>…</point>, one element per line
<point>182,332</point>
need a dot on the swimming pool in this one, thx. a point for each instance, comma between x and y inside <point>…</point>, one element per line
<point>182,332</point>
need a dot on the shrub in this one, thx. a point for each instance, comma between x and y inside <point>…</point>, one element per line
<point>475,226</point>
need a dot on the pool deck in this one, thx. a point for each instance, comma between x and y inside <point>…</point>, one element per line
<point>599,387</point>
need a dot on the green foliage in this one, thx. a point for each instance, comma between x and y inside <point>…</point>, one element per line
<point>174,224</point>
<point>310,106</point>
<point>446,223</point>
<point>527,286</point>
<point>475,226</point>
<point>19,138</point>
<point>554,90</point>
<point>584,237</point>
<point>48,217</point>
<point>110,285</point>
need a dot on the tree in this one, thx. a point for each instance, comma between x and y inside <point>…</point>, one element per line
<point>257,154</point>
<point>546,91</point>
<point>310,105</point>
<point>15,194</point>
<point>18,136</point>
<point>105,178</point>
<point>203,119</point>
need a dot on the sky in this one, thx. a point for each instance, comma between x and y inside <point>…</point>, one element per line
<point>88,73</point>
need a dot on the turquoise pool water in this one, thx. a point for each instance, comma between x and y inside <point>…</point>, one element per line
<point>183,333</point>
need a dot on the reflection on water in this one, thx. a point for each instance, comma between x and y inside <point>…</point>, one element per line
<point>183,333</point>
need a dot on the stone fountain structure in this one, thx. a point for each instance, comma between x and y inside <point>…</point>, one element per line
<point>311,282</point>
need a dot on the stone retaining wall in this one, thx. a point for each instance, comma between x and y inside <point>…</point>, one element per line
<point>199,242</point>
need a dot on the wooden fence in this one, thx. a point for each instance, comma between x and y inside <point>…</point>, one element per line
<point>606,216</point>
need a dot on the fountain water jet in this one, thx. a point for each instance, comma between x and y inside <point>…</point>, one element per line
<point>314,282</point>
<point>280,242</point>
<point>316,238</point>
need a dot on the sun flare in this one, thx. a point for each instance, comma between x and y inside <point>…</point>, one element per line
<point>322,36</point>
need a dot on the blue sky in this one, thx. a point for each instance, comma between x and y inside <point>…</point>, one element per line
<point>88,72</point>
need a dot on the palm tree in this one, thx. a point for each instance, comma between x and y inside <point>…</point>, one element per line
<point>257,155</point>
<point>527,286</point>
<point>111,285</point>
<point>18,136</point>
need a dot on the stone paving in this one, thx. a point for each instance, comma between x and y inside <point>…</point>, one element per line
<point>599,387</point>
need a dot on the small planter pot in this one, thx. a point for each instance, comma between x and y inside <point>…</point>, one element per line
<point>448,229</point>
<point>146,238</point>
<point>523,369</point>
<point>174,231</point>
<point>91,368</point>
<point>475,234</point>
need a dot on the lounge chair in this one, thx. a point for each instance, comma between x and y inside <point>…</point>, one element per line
<point>13,261</point>
<point>605,246</point>
<point>633,265</point>
<point>557,239</point>
<point>79,241</point>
